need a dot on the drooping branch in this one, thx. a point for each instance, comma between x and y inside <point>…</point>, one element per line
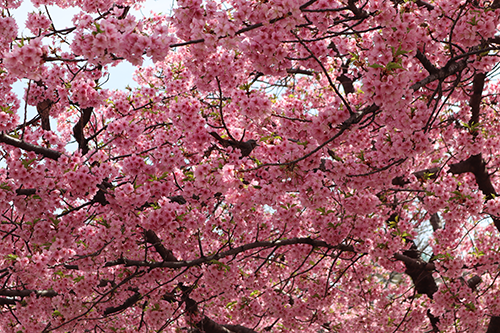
<point>245,29</point>
<point>355,118</point>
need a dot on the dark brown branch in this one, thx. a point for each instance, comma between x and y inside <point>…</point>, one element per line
<point>475,101</point>
<point>165,254</point>
<point>426,63</point>
<point>414,263</point>
<point>435,222</point>
<point>178,199</point>
<point>127,304</point>
<point>78,130</point>
<point>7,301</point>
<point>355,10</point>
<point>43,109</point>
<point>345,81</point>
<point>239,329</point>
<point>494,325</point>
<point>474,281</point>
<point>299,71</point>
<point>231,252</point>
<point>441,74</point>
<point>422,3</point>
<point>207,325</point>
<point>420,175</point>
<point>27,292</point>
<point>49,153</point>
<point>26,191</point>
<point>477,166</point>
<point>474,164</point>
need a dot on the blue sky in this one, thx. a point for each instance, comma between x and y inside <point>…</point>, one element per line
<point>120,76</point>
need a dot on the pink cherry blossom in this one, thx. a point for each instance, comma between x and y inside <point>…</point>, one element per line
<point>281,165</point>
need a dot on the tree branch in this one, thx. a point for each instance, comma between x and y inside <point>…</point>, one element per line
<point>231,252</point>
<point>128,303</point>
<point>165,254</point>
<point>49,153</point>
<point>78,130</point>
<point>441,74</point>
<point>426,63</point>
<point>27,292</point>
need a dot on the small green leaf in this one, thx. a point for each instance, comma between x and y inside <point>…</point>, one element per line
<point>78,278</point>
<point>11,257</point>
<point>393,65</point>
<point>399,51</point>
<point>231,305</point>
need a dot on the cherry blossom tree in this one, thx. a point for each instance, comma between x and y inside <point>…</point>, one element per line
<point>284,165</point>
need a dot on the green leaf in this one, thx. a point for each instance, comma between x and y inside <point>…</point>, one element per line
<point>5,186</point>
<point>473,21</point>
<point>56,313</point>
<point>220,264</point>
<point>428,175</point>
<point>78,278</point>
<point>376,66</point>
<point>98,29</point>
<point>231,305</point>
<point>27,162</point>
<point>470,306</point>
<point>393,65</point>
<point>399,51</point>
<point>11,257</point>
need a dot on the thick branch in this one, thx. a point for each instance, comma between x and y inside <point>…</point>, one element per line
<point>207,325</point>
<point>415,263</point>
<point>26,191</point>
<point>78,130</point>
<point>475,100</point>
<point>238,329</point>
<point>128,303</point>
<point>27,292</point>
<point>165,254</point>
<point>232,252</point>
<point>441,74</point>
<point>474,164</point>
<point>422,3</point>
<point>477,166</point>
<point>43,109</point>
<point>494,325</point>
<point>7,301</point>
<point>49,153</point>
<point>426,63</point>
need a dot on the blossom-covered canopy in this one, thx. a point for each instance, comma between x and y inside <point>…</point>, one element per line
<point>283,166</point>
